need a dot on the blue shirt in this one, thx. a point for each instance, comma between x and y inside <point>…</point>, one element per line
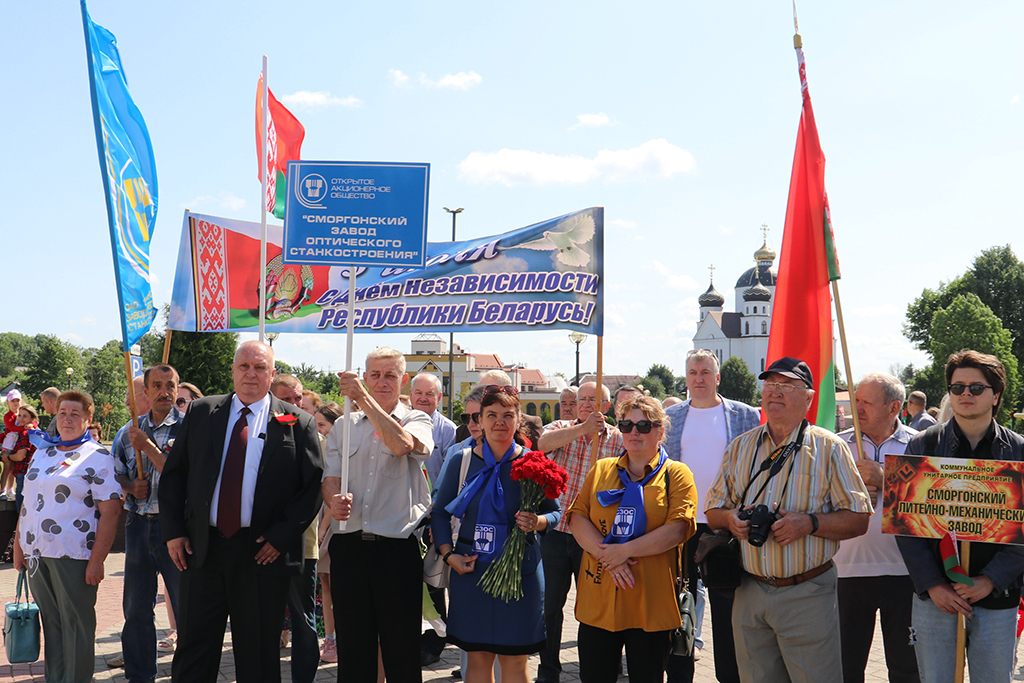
<point>124,458</point>
<point>444,437</point>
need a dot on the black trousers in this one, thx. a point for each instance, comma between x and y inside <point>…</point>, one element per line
<point>561,556</point>
<point>377,587</point>
<point>859,599</point>
<point>430,642</point>
<point>228,585</point>
<point>601,651</point>
<point>680,669</point>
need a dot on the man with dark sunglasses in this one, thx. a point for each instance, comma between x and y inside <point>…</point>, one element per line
<point>699,433</point>
<point>568,443</point>
<point>975,382</point>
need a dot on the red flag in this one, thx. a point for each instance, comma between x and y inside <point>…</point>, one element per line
<point>285,135</point>
<point>802,313</point>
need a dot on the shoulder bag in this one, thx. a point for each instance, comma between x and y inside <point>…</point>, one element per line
<point>435,571</point>
<point>21,626</point>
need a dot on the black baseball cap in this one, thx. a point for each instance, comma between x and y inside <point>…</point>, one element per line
<point>790,367</point>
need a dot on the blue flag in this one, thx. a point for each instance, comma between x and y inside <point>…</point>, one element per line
<point>129,179</point>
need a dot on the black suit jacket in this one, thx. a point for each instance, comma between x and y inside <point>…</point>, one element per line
<point>287,495</point>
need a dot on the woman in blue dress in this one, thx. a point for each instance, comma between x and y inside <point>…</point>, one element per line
<point>488,506</point>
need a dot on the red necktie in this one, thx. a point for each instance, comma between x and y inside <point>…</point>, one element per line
<point>229,504</point>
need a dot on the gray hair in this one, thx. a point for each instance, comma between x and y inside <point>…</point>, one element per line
<point>606,394</point>
<point>476,396</point>
<point>892,388</point>
<point>497,377</point>
<point>702,354</point>
<point>434,379</point>
<point>387,352</point>
<point>569,390</point>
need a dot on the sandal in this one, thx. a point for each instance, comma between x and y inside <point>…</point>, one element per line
<point>167,644</point>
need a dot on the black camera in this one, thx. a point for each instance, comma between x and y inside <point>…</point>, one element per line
<point>761,519</point>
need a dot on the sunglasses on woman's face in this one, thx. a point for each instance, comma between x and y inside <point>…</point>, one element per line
<point>642,426</point>
<point>976,389</point>
<point>494,389</point>
<point>181,402</point>
<point>466,417</point>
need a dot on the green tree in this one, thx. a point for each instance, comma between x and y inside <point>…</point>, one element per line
<point>664,375</point>
<point>16,350</point>
<point>737,383</point>
<point>653,385</point>
<point>204,359</point>
<point>107,381</point>
<point>49,366</point>
<point>545,414</point>
<point>967,323</point>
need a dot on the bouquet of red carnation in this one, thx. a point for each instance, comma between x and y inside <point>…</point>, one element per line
<point>539,478</point>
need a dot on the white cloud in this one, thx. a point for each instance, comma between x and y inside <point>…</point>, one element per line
<point>460,81</point>
<point>622,223</point>
<point>672,279</point>
<point>654,159</point>
<point>398,78</point>
<point>224,200</point>
<point>1015,99</point>
<point>591,121</point>
<point>319,100</point>
<point>87,321</point>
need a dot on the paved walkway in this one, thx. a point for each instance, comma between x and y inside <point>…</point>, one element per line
<point>109,620</point>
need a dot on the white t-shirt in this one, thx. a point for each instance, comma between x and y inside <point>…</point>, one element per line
<point>874,553</point>
<point>702,445</point>
<point>60,514</point>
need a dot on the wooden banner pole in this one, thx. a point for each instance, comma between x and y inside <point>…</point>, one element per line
<point>595,446</point>
<point>167,345</point>
<point>849,372</point>
<point>132,407</point>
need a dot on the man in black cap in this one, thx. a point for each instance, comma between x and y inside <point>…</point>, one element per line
<point>790,491</point>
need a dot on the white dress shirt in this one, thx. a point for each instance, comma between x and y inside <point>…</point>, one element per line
<point>257,420</point>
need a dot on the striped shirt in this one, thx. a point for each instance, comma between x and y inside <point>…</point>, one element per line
<point>575,458</point>
<point>821,476</point>
<point>124,458</point>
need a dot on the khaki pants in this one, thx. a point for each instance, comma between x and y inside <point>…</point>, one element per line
<point>788,634</point>
<point>67,606</point>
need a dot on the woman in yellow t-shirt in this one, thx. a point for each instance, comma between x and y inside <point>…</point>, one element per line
<point>630,516</point>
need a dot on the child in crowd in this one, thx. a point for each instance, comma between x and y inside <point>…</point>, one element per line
<point>8,441</point>
<point>21,456</point>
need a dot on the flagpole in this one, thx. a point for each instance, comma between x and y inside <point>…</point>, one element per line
<point>265,165</point>
<point>961,620</point>
<point>595,444</point>
<point>167,345</point>
<point>133,420</point>
<point>346,435</point>
<point>849,375</point>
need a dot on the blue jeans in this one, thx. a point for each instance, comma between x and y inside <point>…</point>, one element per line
<point>145,555</point>
<point>19,488</point>
<point>305,644</point>
<point>991,635</point>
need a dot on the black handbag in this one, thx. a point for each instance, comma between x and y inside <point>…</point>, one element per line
<point>718,561</point>
<point>684,636</point>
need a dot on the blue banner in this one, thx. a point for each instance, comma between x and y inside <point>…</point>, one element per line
<point>356,213</point>
<point>129,179</point>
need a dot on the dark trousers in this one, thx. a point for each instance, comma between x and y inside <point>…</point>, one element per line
<point>301,606</point>
<point>601,651</point>
<point>561,556</point>
<point>859,599</point>
<point>228,585</point>
<point>431,642</point>
<point>145,556</point>
<point>377,586</point>
<point>680,669</point>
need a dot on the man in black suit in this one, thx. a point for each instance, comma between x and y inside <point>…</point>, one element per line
<point>239,488</point>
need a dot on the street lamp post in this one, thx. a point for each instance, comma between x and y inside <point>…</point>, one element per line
<point>451,337</point>
<point>69,372</point>
<point>577,338</point>
<point>271,336</point>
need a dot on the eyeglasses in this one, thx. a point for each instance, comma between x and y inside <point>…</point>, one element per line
<point>781,387</point>
<point>466,417</point>
<point>181,402</point>
<point>495,389</point>
<point>642,426</point>
<point>976,389</point>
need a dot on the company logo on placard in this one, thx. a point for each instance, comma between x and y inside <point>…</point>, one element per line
<point>311,190</point>
<point>624,522</point>
<point>483,539</point>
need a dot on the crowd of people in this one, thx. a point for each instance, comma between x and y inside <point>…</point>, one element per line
<point>237,502</point>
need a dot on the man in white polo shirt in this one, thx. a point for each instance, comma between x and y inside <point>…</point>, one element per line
<point>872,576</point>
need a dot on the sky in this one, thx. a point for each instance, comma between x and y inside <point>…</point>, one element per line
<point>679,118</point>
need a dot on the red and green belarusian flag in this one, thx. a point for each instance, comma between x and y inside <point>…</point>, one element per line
<point>951,560</point>
<point>284,144</point>
<point>802,312</point>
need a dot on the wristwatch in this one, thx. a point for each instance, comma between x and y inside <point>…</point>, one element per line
<point>814,523</point>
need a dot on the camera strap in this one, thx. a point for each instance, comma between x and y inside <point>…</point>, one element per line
<point>773,463</point>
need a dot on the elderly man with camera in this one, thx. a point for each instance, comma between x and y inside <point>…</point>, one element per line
<point>790,492</point>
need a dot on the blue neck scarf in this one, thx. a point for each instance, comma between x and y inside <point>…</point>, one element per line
<point>492,514</point>
<point>631,519</point>
<point>42,440</point>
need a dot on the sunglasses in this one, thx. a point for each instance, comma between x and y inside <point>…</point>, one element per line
<point>495,389</point>
<point>466,417</point>
<point>976,389</point>
<point>181,402</point>
<point>642,426</point>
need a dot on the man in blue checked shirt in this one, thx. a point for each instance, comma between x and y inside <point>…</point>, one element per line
<point>145,551</point>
